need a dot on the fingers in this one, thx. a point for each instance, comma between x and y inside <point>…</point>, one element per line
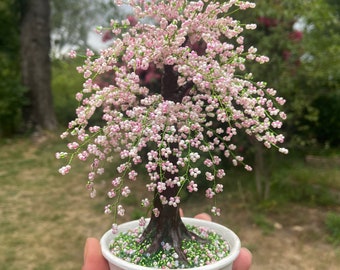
<point>243,261</point>
<point>93,258</point>
<point>203,216</point>
<point>181,213</point>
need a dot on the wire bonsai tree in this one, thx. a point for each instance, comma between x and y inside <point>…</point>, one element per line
<point>206,98</point>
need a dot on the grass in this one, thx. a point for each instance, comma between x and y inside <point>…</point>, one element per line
<point>333,226</point>
<point>306,183</point>
<point>261,221</point>
<point>45,218</point>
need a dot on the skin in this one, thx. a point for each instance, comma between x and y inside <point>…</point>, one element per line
<point>94,260</point>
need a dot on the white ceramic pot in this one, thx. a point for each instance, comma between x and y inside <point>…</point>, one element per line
<point>224,264</point>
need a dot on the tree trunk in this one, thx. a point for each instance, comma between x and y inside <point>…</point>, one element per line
<point>168,227</point>
<point>262,179</point>
<point>36,66</point>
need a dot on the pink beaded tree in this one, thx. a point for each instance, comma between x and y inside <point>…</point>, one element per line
<point>206,98</point>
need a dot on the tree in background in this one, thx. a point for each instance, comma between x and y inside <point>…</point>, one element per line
<point>35,64</point>
<point>320,72</point>
<point>72,22</point>
<point>302,39</point>
<point>11,89</point>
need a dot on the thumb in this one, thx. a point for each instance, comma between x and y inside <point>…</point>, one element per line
<point>243,261</point>
<point>93,258</point>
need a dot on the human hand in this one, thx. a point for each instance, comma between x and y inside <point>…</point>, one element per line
<point>94,260</point>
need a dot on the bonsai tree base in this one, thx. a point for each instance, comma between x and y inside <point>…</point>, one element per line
<point>229,236</point>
